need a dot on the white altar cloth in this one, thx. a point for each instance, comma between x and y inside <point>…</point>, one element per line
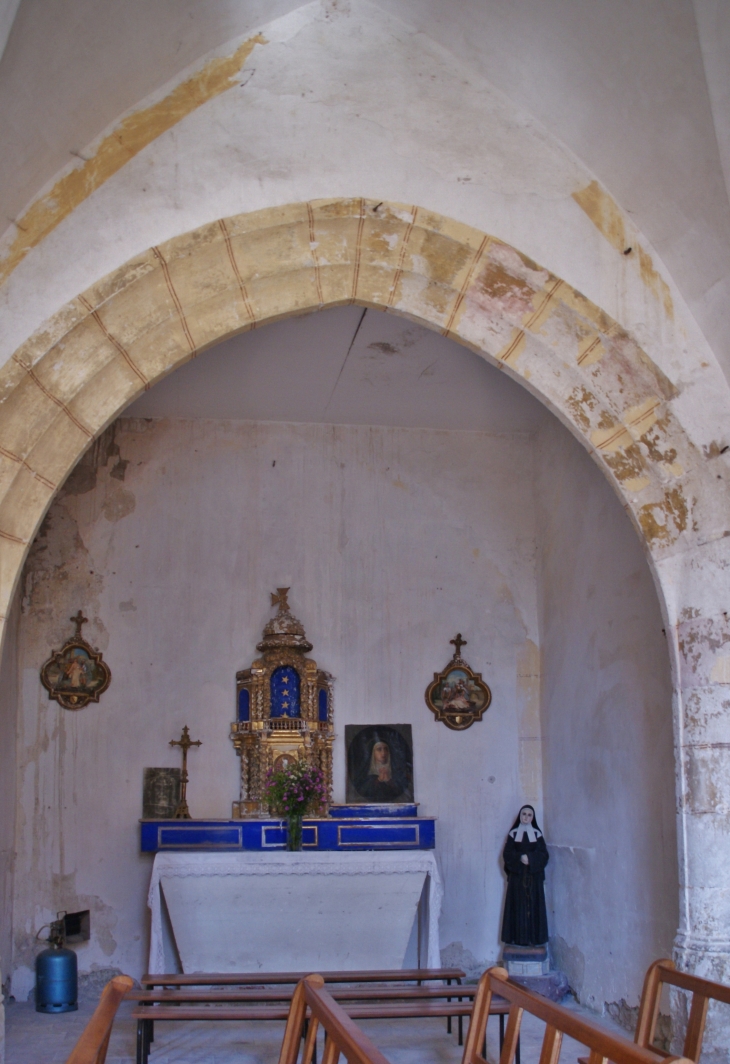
<point>316,911</point>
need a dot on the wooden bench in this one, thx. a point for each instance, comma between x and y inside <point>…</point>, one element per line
<point>603,1046</point>
<point>94,1041</point>
<point>386,975</point>
<point>664,973</point>
<point>179,1000</point>
<point>344,1038</point>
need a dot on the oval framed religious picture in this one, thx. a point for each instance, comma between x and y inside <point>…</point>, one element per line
<point>458,696</point>
<point>76,674</point>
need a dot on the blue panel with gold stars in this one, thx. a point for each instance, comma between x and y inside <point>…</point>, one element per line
<point>244,704</point>
<point>322,705</point>
<point>285,692</point>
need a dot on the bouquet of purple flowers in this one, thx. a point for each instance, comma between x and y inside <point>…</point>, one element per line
<point>295,790</point>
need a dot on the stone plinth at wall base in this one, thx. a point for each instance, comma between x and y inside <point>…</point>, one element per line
<point>554,985</point>
<point>526,960</point>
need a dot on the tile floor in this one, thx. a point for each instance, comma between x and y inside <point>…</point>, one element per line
<point>34,1038</point>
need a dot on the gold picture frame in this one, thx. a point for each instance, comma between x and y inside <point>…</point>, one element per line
<point>457,696</point>
<point>76,674</point>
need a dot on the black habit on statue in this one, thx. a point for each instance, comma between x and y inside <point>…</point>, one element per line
<point>525,916</point>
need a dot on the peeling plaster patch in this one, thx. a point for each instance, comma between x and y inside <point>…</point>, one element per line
<point>103,916</point>
<point>444,257</point>
<point>627,1017</point>
<point>636,484</point>
<point>504,292</point>
<point>455,955</point>
<point>608,219</point>
<point>60,562</point>
<point>83,476</point>
<point>699,640</point>
<point>706,774</point>
<point>721,670</point>
<point>580,401</point>
<point>628,466</point>
<point>92,983</point>
<point>128,139</point>
<point>674,511</point>
<point>118,504</point>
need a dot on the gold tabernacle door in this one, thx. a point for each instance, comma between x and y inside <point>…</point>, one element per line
<point>284,710</point>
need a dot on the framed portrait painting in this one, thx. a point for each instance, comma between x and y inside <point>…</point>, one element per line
<point>379,763</point>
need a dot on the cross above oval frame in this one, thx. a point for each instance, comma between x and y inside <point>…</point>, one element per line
<point>458,696</point>
<point>76,674</point>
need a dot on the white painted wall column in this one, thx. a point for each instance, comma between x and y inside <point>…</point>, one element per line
<point>702,737</point>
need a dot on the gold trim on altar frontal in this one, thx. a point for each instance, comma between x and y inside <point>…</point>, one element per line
<point>284,706</point>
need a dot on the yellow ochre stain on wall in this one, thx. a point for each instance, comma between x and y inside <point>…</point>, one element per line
<point>608,220</point>
<point>128,139</point>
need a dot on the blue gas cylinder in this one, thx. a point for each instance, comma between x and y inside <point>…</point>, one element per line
<point>56,980</point>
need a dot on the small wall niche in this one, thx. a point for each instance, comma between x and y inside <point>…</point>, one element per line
<point>77,927</point>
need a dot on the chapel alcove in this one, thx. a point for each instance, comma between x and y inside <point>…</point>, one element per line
<point>405,490</point>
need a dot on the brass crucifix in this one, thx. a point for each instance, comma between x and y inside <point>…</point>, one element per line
<point>184,742</point>
<point>458,643</point>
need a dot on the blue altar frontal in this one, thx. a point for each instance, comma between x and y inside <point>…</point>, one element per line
<point>347,827</point>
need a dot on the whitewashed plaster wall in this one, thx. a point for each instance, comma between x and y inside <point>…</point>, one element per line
<point>608,764</point>
<point>171,533</point>
<point>391,539</point>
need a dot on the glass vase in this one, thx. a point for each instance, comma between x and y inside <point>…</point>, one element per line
<point>294,833</point>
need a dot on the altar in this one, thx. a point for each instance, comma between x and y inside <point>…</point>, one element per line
<point>306,911</point>
<point>325,887</point>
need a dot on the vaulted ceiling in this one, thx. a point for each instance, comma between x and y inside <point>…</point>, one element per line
<point>639,91</point>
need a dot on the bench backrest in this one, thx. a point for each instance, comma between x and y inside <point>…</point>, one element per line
<point>559,1021</point>
<point>662,973</point>
<point>92,1045</point>
<point>344,1037</point>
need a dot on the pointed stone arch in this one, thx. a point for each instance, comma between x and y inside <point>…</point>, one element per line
<point>65,384</point>
<point>83,367</point>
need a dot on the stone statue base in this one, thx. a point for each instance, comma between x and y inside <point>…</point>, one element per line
<point>530,966</point>
<point>526,960</point>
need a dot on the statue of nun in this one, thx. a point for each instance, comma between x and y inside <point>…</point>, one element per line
<point>525,856</point>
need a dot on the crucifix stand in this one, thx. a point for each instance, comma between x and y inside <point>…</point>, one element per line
<point>184,742</point>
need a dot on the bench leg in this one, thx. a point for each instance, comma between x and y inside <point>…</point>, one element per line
<point>448,1018</point>
<point>517,1053</point>
<point>144,1037</point>
<point>461,1030</point>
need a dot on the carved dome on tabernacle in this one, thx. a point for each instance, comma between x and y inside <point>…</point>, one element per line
<point>284,630</point>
